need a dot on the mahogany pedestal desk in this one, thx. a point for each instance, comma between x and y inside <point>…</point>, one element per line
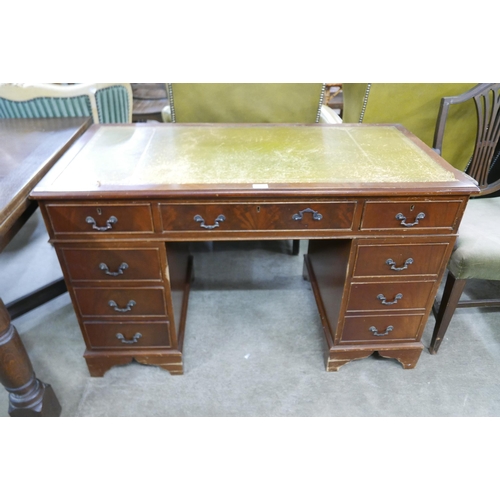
<point>380,210</point>
<point>28,149</point>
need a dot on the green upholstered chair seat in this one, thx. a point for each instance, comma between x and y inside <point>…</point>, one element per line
<point>476,254</point>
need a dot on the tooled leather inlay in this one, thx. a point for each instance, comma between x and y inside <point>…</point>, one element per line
<point>129,156</point>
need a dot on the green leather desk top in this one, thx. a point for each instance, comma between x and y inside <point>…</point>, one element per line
<point>132,157</point>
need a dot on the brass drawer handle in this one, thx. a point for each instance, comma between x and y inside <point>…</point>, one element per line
<point>199,218</point>
<point>382,299</point>
<point>300,215</point>
<point>391,263</point>
<point>135,338</point>
<point>402,218</point>
<point>121,268</point>
<point>109,223</point>
<point>376,332</point>
<point>130,304</point>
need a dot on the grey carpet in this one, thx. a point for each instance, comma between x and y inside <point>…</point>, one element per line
<point>254,347</point>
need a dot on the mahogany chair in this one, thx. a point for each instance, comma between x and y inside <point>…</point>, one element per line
<point>104,102</point>
<point>477,251</point>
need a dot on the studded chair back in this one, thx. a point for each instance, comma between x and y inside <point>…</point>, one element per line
<point>248,103</point>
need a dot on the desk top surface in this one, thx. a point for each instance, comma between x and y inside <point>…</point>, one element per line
<point>168,158</point>
<point>28,148</point>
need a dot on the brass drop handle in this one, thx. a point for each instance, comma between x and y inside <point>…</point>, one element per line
<point>135,338</point>
<point>376,332</point>
<point>402,218</point>
<point>315,215</point>
<point>109,223</point>
<point>201,220</point>
<point>121,268</point>
<point>382,299</point>
<point>127,308</point>
<point>391,263</point>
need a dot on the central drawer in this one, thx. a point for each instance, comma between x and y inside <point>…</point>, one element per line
<point>257,216</point>
<point>121,302</point>
<point>128,335</point>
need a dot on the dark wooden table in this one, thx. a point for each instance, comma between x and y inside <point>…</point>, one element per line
<point>380,208</point>
<point>28,149</point>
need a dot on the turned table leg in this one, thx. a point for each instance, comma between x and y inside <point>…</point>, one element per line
<point>28,396</point>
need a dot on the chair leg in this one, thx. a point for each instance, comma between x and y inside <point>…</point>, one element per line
<point>296,247</point>
<point>451,295</point>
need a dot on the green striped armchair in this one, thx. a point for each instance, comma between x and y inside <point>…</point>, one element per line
<point>104,102</point>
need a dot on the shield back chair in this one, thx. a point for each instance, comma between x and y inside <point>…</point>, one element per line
<point>248,103</point>
<point>104,102</point>
<point>416,107</point>
<point>476,254</point>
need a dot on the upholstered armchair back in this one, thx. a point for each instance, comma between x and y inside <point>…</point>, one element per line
<point>247,103</point>
<point>416,107</point>
<point>104,102</point>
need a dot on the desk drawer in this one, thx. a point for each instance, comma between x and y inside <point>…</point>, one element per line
<point>383,328</point>
<point>400,260</point>
<point>388,296</point>
<point>128,335</point>
<point>121,302</point>
<point>100,219</point>
<point>85,264</point>
<point>408,215</point>
<point>257,216</point>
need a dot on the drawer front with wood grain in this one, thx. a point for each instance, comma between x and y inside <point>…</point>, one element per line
<point>411,215</point>
<point>400,259</point>
<point>128,335</point>
<point>100,219</point>
<point>120,302</point>
<point>389,296</point>
<point>383,328</point>
<point>85,264</point>
<point>258,216</point>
